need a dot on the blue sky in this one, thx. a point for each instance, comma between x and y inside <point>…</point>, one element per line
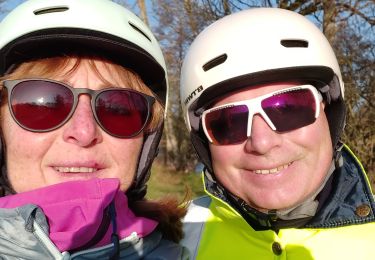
<point>8,5</point>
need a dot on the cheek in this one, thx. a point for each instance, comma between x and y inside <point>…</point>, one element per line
<point>218,155</point>
<point>316,146</point>
<point>126,148</point>
<point>324,142</point>
<point>21,143</point>
<point>16,140</point>
<point>317,136</point>
<point>24,154</point>
<point>224,158</point>
<point>126,154</point>
<point>25,150</point>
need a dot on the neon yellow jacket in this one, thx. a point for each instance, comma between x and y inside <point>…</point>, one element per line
<point>344,228</point>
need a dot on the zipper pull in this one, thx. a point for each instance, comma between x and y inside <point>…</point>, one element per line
<point>114,237</point>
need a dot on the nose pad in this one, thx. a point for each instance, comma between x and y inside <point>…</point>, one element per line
<point>82,128</point>
<point>262,137</point>
<point>261,116</point>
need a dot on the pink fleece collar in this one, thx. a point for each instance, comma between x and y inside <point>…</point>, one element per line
<point>75,211</point>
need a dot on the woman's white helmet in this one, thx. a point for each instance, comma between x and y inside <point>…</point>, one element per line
<point>39,28</point>
<point>253,47</point>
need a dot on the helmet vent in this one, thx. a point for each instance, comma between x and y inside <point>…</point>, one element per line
<point>295,43</point>
<point>54,9</point>
<point>140,31</point>
<point>215,62</point>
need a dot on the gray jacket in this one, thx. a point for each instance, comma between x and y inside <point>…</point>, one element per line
<point>24,235</point>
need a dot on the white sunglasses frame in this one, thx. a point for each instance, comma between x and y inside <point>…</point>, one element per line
<point>256,107</point>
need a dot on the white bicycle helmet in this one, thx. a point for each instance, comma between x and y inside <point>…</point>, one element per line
<point>40,28</point>
<point>258,46</point>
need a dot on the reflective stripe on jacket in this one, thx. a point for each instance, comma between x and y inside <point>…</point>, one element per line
<point>343,229</point>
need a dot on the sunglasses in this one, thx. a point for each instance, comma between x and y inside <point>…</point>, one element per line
<point>283,110</point>
<point>41,105</point>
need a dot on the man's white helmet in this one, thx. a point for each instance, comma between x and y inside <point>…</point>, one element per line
<point>41,28</point>
<point>253,47</point>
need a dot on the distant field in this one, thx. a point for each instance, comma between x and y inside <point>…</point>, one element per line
<point>164,182</point>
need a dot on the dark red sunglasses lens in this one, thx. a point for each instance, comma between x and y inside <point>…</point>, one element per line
<point>121,112</point>
<point>227,125</point>
<point>290,110</point>
<point>41,105</point>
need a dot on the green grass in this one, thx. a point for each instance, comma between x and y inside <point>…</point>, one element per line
<point>167,182</point>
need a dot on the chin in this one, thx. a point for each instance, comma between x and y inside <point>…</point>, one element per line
<point>265,205</point>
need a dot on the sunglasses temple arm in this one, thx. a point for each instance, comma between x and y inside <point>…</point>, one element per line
<point>320,99</point>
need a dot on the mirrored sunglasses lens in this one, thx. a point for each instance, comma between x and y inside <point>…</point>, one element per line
<point>227,125</point>
<point>122,113</point>
<point>290,110</point>
<point>40,105</point>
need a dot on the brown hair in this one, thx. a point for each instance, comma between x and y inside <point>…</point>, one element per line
<point>167,211</point>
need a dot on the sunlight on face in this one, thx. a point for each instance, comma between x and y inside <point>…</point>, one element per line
<point>272,170</point>
<point>78,150</point>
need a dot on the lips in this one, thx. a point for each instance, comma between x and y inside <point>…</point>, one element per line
<point>273,170</point>
<point>75,169</point>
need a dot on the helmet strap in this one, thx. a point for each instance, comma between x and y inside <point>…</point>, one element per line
<point>5,187</point>
<point>200,145</point>
<point>149,151</point>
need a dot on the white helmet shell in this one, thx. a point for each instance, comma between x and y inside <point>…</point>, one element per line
<point>255,47</point>
<point>37,25</point>
<point>253,42</point>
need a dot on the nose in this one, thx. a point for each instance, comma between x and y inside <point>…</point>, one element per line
<point>82,129</point>
<point>263,139</point>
